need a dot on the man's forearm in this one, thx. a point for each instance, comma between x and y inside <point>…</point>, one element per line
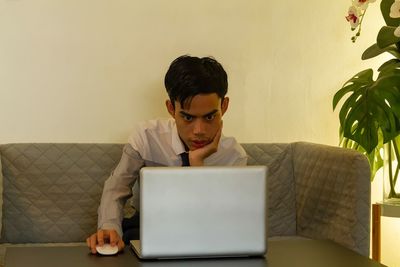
<point>117,189</point>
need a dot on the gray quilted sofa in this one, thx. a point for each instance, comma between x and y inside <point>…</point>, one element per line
<point>50,192</point>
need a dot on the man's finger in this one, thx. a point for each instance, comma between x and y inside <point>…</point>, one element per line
<point>217,137</point>
<point>114,237</point>
<point>93,243</point>
<point>120,244</point>
<point>100,237</point>
<point>215,141</point>
<point>218,134</point>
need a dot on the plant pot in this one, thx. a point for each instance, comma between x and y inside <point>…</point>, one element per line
<point>391,179</point>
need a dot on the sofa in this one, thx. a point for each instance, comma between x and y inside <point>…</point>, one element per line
<point>51,191</point>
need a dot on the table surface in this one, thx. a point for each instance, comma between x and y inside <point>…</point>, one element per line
<point>282,253</point>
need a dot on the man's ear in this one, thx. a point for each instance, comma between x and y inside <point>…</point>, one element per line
<point>170,107</point>
<point>224,105</point>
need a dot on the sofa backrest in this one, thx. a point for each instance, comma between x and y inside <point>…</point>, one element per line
<point>51,191</point>
<point>333,194</point>
<point>280,185</point>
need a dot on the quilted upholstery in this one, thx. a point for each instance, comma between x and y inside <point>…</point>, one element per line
<point>280,185</point>
<point>333,195</point>
<point>52,191</point>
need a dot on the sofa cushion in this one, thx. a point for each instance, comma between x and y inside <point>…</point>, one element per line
<point>332,194</point>
<point>280,185</point>
<point>52,191</point>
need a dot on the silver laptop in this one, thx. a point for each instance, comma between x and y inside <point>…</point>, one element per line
<point>197,212</point>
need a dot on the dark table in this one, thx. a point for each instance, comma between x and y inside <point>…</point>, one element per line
<point>283,253</point>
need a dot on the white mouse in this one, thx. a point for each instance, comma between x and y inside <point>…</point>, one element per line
<point>107,249</point>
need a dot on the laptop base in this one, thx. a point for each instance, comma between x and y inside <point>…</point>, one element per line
<point>135,245</point>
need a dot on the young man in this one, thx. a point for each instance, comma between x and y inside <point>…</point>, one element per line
<point>193,137</point>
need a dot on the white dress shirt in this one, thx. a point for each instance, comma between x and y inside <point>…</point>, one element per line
<point>153,143</point>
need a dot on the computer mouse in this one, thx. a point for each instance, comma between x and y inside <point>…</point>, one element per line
<point>107,249</point>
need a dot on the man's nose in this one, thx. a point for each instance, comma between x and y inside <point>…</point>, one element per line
<point>199,127</point>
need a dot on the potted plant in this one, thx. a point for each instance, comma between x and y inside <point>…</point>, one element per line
<point>370,114</point>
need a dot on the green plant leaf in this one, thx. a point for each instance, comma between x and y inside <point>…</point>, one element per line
<point>390,64</point>
<point>386,37</point>
<point>374,158</point>
<point>356,82</point>
<point>393,50</point>
<point>389,72</point>
<point>374,51</point>
<point>389,68</point>
<point>387,90</point>
<point>342,92</point>
<point>375,161</point>
<point>359,124</point>
<point>385,95</point>
<point>385,9</point>
<point>363,77</point>
<point>371,108</point>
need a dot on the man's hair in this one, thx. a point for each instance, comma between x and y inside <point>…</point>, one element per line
<point>189,76</point>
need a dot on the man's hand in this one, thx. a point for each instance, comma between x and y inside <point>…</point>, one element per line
<point>103,236</point>
<point>197,157</point>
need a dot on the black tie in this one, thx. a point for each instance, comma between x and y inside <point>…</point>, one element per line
<point>185,159</point>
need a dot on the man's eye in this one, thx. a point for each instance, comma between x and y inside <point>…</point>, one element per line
<point>210,117</point>
<point>187,117</point>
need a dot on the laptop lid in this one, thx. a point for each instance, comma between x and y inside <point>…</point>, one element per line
<point>202,212</point>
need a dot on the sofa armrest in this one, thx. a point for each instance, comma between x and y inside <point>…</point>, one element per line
<point>333,195</point>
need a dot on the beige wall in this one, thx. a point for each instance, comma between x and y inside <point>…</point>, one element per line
<point>88,70</point>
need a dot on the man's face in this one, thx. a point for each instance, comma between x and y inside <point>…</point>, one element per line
<point>198,122</point>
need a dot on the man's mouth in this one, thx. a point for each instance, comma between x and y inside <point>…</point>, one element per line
<point>199,144</point>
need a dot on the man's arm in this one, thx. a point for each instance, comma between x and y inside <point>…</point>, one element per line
<point>117,189</point>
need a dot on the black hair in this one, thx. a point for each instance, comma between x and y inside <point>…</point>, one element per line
<point>189,76</point>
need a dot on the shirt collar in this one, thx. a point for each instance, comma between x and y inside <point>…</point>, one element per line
<point>177,144</point>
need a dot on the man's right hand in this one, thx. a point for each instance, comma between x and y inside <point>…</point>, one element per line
<point>103,236</point>
<point>197,157</point>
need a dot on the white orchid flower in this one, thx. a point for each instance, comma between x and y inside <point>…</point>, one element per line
<point>395,9</point>
<point>362,4</point>
<point>353,16</point>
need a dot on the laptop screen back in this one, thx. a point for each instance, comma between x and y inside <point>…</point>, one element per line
<point>202,211</point>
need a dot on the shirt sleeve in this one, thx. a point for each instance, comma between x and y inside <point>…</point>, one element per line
<point>118,188</point>
<point>240,161</point>
<point>239,157</point>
